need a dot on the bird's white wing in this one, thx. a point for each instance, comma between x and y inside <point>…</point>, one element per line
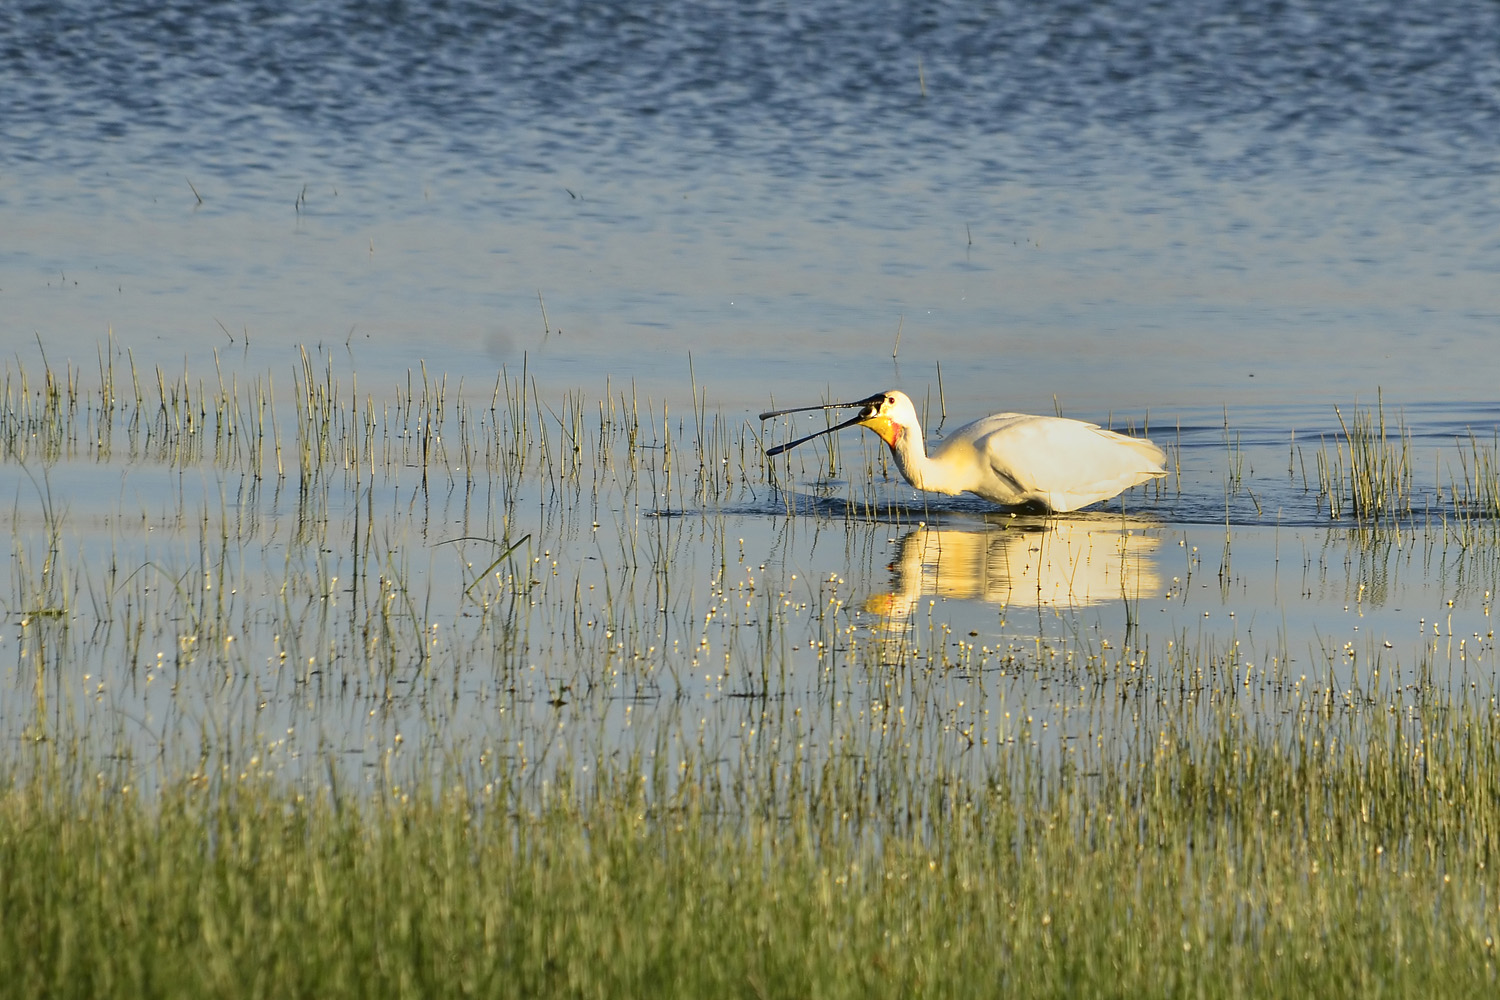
<point>1062,463</point>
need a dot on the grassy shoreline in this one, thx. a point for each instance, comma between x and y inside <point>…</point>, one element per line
<point>419,697</point>
<point>1219,865</point>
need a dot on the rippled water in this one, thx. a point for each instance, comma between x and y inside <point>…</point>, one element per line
<point>1126,205</point>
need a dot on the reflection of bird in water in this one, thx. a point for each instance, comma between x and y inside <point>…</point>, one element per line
<point>1012,459</point>
<point>1048,563</point>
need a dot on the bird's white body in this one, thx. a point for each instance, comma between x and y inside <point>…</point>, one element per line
<point>1014,459</point>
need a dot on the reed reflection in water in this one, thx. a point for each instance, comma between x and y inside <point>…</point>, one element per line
<point>1040,562</point>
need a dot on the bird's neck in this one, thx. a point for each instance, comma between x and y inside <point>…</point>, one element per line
<point>910,454</point>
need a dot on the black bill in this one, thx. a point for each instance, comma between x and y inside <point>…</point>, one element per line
<point>870,402</point>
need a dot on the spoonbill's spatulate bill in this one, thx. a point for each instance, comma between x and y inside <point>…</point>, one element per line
<point>1012,459</point>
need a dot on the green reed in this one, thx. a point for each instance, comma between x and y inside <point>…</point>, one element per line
<point>1476,486</point>
<point>492,700</point>
<point>1369,474</point>
<point>1353,854</point>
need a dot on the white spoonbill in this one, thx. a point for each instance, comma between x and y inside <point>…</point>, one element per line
<point>1012,459</point>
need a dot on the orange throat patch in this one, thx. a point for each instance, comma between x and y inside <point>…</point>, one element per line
<point>889,431</point>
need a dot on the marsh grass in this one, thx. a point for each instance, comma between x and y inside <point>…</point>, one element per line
<point>1475,487</point>
<point>420,696</point>
<point>1369,476</point>
<point>1207,862</point>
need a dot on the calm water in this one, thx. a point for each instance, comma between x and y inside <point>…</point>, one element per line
<point>1223,220</point>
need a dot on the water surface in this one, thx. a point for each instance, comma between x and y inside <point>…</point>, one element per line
<point>1217,223</point>
<point>1127,207</point>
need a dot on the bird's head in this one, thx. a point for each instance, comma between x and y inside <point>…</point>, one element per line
<point>889,414</point>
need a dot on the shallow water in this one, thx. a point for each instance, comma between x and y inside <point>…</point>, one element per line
<point>451,587</point>
<point>1217,224</point>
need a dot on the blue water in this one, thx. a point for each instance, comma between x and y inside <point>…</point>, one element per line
<point>1119,209</point>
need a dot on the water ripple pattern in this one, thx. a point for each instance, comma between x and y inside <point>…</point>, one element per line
<point>1071,196</point>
